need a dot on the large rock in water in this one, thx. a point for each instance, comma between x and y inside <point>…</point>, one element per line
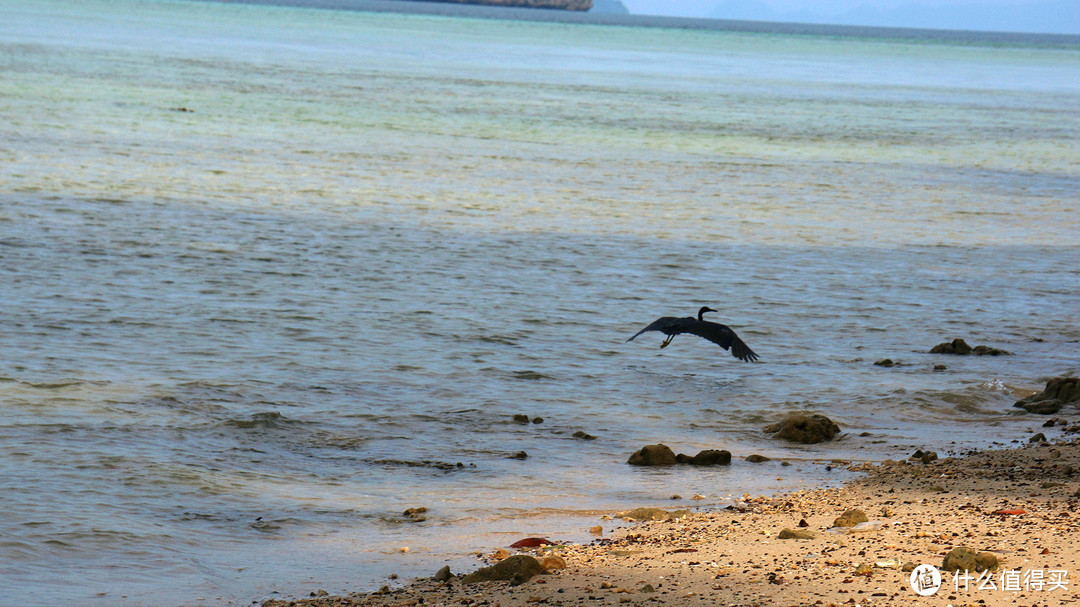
<point>956,346</point>
<point>706,457</point>
<point>1059,391</point>
<point>804,428</point>
<point>519,569</point>
<point>959,346</point>
<point>653,455</point>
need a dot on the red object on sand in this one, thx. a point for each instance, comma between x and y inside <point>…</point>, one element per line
<point>531,542</point>
<point>1009,512</point>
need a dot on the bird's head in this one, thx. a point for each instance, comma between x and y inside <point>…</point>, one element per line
<point>703,310</point>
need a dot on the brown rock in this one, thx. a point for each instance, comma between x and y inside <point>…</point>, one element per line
<point>653,455</point>
<point>804,428</point>
<point>519,569</point>
<point>963,558</point>
<point>443,574</point>
<point>796,534</point>
<point>988,351</point>
<point>652,514</point>
<point>850,518</point>
<point>710,457</point>
<point>956,346</point>
<point>552,562</point>
<point>756,459</point>
<point>1059,392</point>
<point>959,346</point>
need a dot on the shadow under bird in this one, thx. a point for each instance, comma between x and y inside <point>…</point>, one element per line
<point>719,334</point>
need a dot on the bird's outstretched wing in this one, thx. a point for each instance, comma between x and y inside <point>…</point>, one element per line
<point>660,324</point>
<point>723,336</point>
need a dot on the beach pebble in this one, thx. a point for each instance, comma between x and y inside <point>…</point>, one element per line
<point>756,459</point>
<point>597,530</point>
<point>796,534</point>
<point>850,518</point>
<point>443,574</point>
<point>553,562</point>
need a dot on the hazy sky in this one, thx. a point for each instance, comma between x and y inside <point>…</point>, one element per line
<point>1044,16</point>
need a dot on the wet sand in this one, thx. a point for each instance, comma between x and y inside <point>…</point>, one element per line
<point>1019,504</point>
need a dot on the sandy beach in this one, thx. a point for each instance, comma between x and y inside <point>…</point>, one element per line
<point>1017,504</point>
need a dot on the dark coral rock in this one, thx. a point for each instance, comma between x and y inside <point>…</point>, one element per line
<point>1059,391</point>
<point>804,428</point>
<point>956,346</point>
<point>711,457</point>
<point>653,455</point>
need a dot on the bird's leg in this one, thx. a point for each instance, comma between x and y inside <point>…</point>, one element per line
<point>667,341</point>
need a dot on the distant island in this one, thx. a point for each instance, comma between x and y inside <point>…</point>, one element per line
<point>566,5</point>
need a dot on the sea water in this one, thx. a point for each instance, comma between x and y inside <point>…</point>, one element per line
<point>272,275</point>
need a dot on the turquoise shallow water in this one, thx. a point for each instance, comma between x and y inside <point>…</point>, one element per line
<point>268,271</point>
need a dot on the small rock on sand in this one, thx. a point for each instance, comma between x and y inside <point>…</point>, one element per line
<point>518,569</point>
<point>552,562</point>
<point>963,558</point>
<point>796,534</point>
<point>850,518</point>
<point>443,574</point>
<point>652,514</point>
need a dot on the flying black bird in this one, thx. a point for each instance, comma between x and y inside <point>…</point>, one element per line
<point>715,332</point>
